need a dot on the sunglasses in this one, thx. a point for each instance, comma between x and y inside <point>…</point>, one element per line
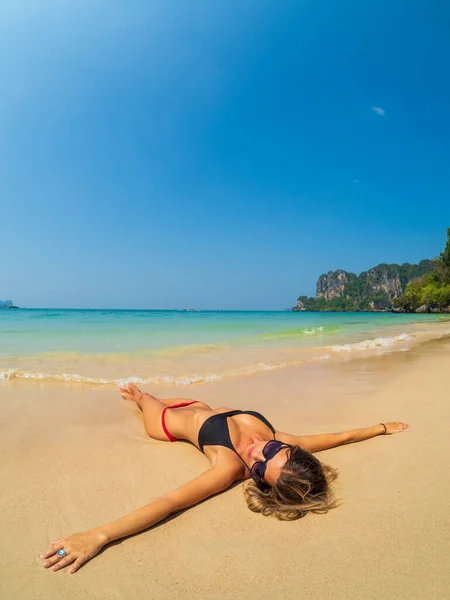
<point>269,451</point>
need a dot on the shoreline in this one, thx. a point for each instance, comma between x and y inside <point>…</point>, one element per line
<point>180,367</point>
<point>84,459</point>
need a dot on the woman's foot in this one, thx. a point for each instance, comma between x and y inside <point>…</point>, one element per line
<point>132,392</point>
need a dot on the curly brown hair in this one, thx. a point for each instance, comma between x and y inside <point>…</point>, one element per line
<point>303,487</point>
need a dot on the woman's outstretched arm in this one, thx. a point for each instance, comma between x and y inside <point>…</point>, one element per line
<point>317,443</point>
<point>81,547</point>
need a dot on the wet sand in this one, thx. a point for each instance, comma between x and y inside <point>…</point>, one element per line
<point>76,456</point>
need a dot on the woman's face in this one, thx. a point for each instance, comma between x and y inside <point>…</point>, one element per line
<point>273,466</point>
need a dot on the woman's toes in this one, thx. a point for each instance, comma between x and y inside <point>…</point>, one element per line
<point>133,388</point>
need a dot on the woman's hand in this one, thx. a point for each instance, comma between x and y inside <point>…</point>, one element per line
<point>79,548</point>
<point>395,427</point>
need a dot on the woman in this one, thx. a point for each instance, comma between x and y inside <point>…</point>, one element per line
<point>288,481</point>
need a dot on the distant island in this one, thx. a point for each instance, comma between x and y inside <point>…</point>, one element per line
<point>7,304</point>
<point>422,288</point>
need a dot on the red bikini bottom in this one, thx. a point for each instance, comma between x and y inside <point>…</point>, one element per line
<point>163,422</point>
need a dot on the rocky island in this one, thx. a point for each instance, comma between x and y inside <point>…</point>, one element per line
<point>7,304</point>
<point>423,287</point>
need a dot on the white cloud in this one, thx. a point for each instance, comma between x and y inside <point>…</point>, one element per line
<point>379,111</point>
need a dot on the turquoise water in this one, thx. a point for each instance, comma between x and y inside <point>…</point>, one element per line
<point>103,343</point>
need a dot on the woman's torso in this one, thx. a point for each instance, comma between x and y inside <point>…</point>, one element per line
<point>243,428</point>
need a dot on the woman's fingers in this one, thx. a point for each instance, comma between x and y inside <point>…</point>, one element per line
<point>401,426</point>
<point>77,564</point>
<point>63,562</point>
<point>53,548</point>
<point>78,548</point>
<point>52,561</point>
<point>396,427</point>
<point>59,562</point>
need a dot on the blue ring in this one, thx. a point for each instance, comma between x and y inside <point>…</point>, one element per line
<point>61,552</point>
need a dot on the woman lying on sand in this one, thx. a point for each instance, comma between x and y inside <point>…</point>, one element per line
<point>288,481</point>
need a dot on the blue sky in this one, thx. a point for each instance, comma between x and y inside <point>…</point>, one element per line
<point>217,154</point>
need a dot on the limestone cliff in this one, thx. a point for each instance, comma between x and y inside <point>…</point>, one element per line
<point>384,279</point>
<point>332,284</point>
<point>374,289</point>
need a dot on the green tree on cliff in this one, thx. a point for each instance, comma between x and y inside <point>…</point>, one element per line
<point>430,291</point>
<point>445,259</point>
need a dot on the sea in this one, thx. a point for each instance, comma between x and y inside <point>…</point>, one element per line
<point>167,347</point>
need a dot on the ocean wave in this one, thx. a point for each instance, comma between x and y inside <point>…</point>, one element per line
<point>373,343</point>
<point>298,332</point>
<point>10,374</point>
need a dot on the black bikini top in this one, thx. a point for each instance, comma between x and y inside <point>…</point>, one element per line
<point>215,432</point>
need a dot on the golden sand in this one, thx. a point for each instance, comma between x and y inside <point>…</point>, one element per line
<point>74,457</point>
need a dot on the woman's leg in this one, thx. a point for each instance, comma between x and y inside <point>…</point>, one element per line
<point>132,392</point>
<point>152,409</point>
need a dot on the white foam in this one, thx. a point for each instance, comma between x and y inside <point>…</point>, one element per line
<point>312,330</point>
<point>372,344</point>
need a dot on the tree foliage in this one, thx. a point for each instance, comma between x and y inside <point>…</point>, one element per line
<point>433,290</point>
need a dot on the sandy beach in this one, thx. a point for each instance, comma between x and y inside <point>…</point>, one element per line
<point>75,456</point>
<point>244,204</point>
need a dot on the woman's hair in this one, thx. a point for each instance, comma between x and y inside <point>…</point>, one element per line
<point>303,487</point>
